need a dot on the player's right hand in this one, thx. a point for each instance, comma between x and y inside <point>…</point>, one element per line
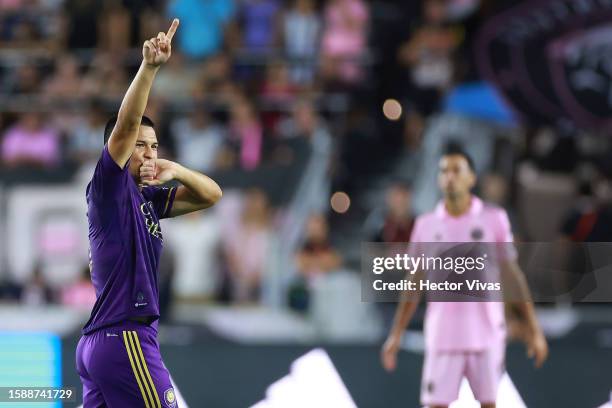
<point>388,354</point>
<point>537,348</point>
<point>147,171</point>
<point>157,50</point>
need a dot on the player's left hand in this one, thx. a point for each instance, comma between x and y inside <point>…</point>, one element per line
<point>156,51</point>
<point>157,171</point>
<point>537,348</point>
<point>388,354</point>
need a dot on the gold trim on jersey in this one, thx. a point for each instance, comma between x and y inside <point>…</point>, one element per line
<point>167,201</point>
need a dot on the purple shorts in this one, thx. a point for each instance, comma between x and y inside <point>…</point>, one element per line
<point>121,366</point>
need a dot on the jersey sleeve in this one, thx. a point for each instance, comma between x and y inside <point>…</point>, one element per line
<point>109,180</point>
<point>162,199</point>
<point>503,236</point>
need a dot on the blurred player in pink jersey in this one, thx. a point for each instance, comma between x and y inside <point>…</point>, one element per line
<point>465,339</point>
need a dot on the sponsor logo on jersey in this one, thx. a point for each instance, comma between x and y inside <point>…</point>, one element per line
<point>152,226</point>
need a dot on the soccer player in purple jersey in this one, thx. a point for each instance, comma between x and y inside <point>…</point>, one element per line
<point>118,357</point>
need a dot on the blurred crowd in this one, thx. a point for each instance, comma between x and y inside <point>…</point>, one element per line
<point>248,76</point>
<point>237,70</point>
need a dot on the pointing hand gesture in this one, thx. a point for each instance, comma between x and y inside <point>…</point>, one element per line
<point>157,50</point>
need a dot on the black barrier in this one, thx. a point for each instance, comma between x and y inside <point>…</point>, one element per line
<point>219,374</point>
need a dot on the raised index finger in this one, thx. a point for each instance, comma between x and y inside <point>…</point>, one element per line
<point>172,29</point>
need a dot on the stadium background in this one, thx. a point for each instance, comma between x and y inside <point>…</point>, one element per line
<point>322,121</point>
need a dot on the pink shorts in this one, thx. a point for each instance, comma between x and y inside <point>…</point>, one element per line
<point>444,370</point>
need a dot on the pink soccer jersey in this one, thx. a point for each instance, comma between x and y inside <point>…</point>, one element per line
<point>464,326</point>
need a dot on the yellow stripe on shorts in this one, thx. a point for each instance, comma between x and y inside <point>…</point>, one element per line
<point>129,352</point>
<point>139,365</point>
<point>144,363</point>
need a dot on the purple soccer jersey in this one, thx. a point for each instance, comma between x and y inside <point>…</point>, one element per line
<point>125,243</point>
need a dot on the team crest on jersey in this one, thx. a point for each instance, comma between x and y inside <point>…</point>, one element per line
<point>430,387</point>
<point>477,234</point>
<point>170,397</point>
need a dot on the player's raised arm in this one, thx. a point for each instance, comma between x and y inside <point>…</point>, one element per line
<point>155,52</point>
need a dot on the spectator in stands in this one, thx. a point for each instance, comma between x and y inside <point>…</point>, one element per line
<point>256,26</point>
<point>317,256</point>
<point>114,27</point>
<point>245,249</point>
<point>147,17</point>
<point>106,77</point>
<point>81,293</point>
<point>590,219</point>
<point>197,139</point>
<point>301,123</point>
<point>494,189</point>
<point>414,127</point>
<point>301,27</point>
<point>315,259</point>
<point>398,221</point>
<point>31,143</point>
<point>277,88</point>
<point>24,79</point>
<point>84,143</point>
<point>36,292</point>
<point>21,31</point>
<point>202,25</point>
<point>276,91</point>
<point>65,82</point>
<point>30,25</point>
<point>64,85</point>
<point>215,76</point>
<point>246,133</point>
<point>428,57</point>
<point>178,81</point>
<point>392,226</point>
<point>306,122</point>
<point>344,40</point>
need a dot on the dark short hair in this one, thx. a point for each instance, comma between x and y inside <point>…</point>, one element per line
<point>110,125</point>
<point>454,148</point>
